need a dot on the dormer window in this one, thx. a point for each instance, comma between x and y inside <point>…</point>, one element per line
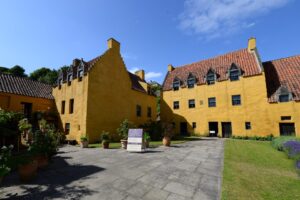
<point>210,77</point>
<point>284,95</point>
<point>176,84</point>
<point>80,72</point>
<point>191,81</point>
<point>234,73</point>
<point>69,78</point>
<point>60,82</point>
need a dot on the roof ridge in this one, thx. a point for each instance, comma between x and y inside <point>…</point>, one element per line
<point>24,78</point>
<point>278,59</point>
<point>232,52</point>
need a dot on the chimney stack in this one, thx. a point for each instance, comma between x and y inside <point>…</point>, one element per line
<point>113,44</point>
<point>141,74</point>
<point>251,44</point>
<point>170,68</point>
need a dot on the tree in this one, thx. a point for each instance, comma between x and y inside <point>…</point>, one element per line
<point>4,70</point>
<point>44,75</point>
<point>17,71</point>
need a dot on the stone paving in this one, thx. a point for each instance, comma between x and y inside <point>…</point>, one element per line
<point>191,170</point>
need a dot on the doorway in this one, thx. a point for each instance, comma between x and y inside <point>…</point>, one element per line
<point>183,128</point>
<point>213,129</point>
<point>226,129</point>
<point>287,129</point>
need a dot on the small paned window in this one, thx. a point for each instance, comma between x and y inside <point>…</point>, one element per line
<point>71,106</point>
<point>176,105</point>
<point>212,102</point>
<point>285,118</point>
<point>67,128</point>
<point>194,124</point>
<point>191,81</point>
<point>70,78</point>
<point>192,103</point>
<point>210,78</point>
<point>149,112</point>
<point>247,125</point>
<point>138,111</point>
<point>284,98</point>
<point>63,103</point>
<point>234,73</point>
<point>80,74</point>
<point>236,100</point>
<point>176,84</point>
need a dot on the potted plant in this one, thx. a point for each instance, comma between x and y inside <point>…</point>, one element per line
<point>5,154</point>
<point>123,133</point>
<point>24,127</point>
<point>42,125</point>
<point>40,148</point>
<point>84,143</point>
<point>105,140</point>
<point>146,139</point>
<point>168,133</point>
<point>27,168</point>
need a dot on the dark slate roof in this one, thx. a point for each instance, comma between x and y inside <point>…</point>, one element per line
<point>24,86</point>
<point>283,72</point>
<point>243,59</point>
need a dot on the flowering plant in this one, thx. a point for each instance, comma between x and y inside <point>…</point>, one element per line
<point>5,154</point>
<point>293,149</point>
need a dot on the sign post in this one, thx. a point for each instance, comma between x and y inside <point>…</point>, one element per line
<point>135,140</point>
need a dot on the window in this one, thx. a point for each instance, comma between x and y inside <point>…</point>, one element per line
<point>26,109</point>
<point>247,125</point>
<point>234,73</point>
<point>286,118</point>
<point>176,84</point>
<point>63,103</point>
<point>80,74</point>
<point>176,105</point>
<point>67,128</point>
<point>192,103</point>
<point>191,81</point>
<point>236,100</point>
<point>284,98</point>
<point>194,124</point>
<point>210,77</point>
<point>149,112</point>
<point>212,102</point>
<point>138,111</point>
<point>71,106</point>
<point>70,77</point>
<point>60,82</point>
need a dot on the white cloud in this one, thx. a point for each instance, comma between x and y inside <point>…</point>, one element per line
<point>150,75</point>
<point>213,18</point>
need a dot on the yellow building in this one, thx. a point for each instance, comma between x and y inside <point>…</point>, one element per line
<point>98,95</point>
<point>234,94</point>
<point>23,95</point>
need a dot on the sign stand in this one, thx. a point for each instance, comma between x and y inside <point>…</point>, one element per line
<point>135,140</point>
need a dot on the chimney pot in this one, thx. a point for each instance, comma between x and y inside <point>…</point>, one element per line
<point>251,44</point>
<point>113,44</point>
<point>170,68</point>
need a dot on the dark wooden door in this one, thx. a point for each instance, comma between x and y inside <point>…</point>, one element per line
<point>226,129</point>
<point>183,128</point>
<point>213,129</point>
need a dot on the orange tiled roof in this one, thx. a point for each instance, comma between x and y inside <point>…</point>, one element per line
<point>283,72</point>
<point>245,60</point>
<point>24,86</point>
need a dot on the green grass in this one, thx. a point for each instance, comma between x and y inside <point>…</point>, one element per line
<point>153,144</point>
<point>255,170</point>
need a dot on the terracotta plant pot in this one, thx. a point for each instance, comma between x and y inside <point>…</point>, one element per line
<point>28,171</point>
<point>105,145</point>
<point>42,161</point>
<point>84,144</point>
<point>166,141</point>
<point>124,144</point>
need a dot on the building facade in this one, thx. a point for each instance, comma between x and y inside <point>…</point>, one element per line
<point>26,96</point>
<point>234,94</point>
<point>98,95</point>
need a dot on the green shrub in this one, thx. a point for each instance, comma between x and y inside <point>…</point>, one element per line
<point>83,138</point>
<point>277,143</point>
<point>258,138</point>
<point>154,129</point>
<point>147,136</point>
<point>105,137</point>
<point>123,129</point>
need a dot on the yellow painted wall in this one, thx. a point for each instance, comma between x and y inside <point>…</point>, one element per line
<point>103,99</point>
<point>264,117</point>
<point>77,91</point>
<point>111,99</point>
<point>12,102</point>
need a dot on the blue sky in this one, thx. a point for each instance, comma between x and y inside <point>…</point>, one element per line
<point>152,33</point>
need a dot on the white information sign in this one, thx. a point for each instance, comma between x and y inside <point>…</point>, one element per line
<point>135,140</point>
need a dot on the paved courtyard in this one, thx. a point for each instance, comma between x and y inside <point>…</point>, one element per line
<point>187,171</point>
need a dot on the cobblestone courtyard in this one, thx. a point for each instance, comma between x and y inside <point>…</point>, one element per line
<point>187,171</point>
